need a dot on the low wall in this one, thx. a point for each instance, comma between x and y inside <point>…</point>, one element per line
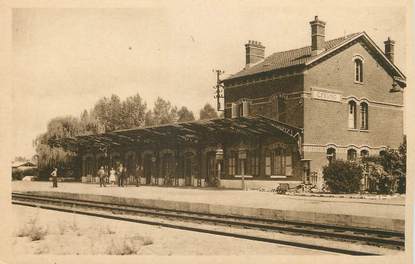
<point>255,184</point>
<point>264,213</point>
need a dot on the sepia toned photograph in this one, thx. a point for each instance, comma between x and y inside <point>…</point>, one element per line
<point>209,128</point>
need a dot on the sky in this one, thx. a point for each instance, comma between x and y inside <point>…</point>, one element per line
<point>65,59</point>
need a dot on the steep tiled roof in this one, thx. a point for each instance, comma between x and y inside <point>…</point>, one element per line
<point>284,59</point>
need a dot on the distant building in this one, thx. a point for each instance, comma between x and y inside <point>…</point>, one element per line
<point>286,116</point>
<point>22,164</point>
<point>23,168</point>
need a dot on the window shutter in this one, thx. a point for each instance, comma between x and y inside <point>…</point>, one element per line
<point>288,164</point>
<point>267,164</point>
<point>245,108</point>
<point>234,110</point>
<point>352,114</point>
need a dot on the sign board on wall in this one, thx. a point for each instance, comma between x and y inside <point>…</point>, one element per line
<point>326,95</point>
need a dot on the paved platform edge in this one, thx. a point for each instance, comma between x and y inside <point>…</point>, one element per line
<point>388,224</point>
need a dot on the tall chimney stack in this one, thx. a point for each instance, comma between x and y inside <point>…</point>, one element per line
<point>254,52</point>
<point>317,36</point>
<point>389,49</point>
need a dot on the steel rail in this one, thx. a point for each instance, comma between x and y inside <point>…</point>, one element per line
<point>200,230</point>
<point>273,221</point>
<point>296,228</point>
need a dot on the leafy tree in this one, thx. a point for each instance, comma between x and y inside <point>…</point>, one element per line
<point>89,124</point>
<point>163,113</point>
<point>208,112</point>
<point>108,112</point>
<point>393,164</point>
<point>343,176</point>
<point>185,114</point>
<point>402,153</point>
<point>133,112</point>
<point>149,118</point>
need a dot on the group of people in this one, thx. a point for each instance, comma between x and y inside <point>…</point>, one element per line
<point>118,175</point>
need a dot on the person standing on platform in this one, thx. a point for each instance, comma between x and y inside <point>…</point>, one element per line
<point>101,175</point>
<point>112,176</point>
<point>54,175</point>
<point>121,175</point>
<point>124,176</point>
<point>138,175</point>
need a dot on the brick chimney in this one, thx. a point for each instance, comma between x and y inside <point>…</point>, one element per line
<point>317,36</point>
<point>254,52</point>
<point>389,49</point>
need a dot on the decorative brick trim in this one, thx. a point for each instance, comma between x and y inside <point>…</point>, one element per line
<point>339,149</point>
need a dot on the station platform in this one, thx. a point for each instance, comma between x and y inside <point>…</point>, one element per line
<point>386,214</point>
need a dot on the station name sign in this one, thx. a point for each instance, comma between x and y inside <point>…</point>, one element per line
<point>326,95</point>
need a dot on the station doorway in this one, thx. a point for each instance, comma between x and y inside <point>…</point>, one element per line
<point>188,170</point>
<point>148,167</point>
<point>211,170</point>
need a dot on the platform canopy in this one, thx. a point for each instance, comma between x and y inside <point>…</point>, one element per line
<point>186,132</point>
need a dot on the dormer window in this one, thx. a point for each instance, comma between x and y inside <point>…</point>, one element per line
<point>358,65</point>
<point>240,109</point>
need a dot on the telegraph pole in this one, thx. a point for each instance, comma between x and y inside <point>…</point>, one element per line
<point>218,88</point>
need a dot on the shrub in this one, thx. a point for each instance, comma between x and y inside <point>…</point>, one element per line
<point>401,184</point>
<point>32,230</point>
<point>343,176</point>
<point>381,181</point>
<point>126,246</point>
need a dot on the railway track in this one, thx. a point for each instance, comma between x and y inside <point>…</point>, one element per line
<point>380,238</point>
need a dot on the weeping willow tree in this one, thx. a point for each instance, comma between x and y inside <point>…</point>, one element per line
<point>50,157</point>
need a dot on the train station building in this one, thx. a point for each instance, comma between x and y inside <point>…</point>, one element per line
<point>286,116</point>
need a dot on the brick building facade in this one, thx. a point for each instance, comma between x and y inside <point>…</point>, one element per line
<point>286,116</point>
<point>344,94</point>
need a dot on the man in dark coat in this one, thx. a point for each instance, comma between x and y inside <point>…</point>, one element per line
<point>121,175</point>
<point>54,175</point>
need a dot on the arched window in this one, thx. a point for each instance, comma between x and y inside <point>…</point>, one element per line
<point>331,154</point>
<point>358,64</point>
<point>364,153</point>
<point>351,154</point>
<point>352,115</point>
<point>364,112</point>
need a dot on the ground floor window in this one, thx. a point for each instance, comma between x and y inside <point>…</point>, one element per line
<point>254,162</point>
<point>242,167</point>
<point>278,162</point>
<point>364,153</point>
<point>351,154</point>
<point>232,163</point>
<point>331,154</point>
<point>268,163</point>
